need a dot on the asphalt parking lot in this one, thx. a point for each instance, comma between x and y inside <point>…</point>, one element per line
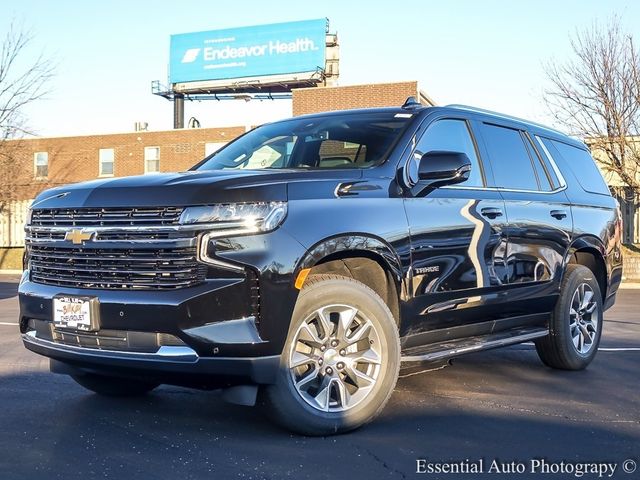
<point>501,405</point>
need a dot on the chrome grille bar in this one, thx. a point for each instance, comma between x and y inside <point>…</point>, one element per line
<point>132,248</point>
<point>105,216</point>
<point>116,268</point>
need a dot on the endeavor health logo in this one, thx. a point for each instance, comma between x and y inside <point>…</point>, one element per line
<point>190,55</point>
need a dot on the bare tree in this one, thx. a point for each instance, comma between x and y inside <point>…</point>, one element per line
<point>23,81</point>
<point>597,96</point>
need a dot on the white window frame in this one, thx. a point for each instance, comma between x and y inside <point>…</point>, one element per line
<point>101,161</point>
<point>147,159</point>
<point>35,165</point>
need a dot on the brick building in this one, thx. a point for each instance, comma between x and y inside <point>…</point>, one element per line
<point>314,100</point>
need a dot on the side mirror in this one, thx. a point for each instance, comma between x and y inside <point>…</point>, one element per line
<point>444,168</point>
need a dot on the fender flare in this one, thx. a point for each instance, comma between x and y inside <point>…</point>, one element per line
<point>593,243</point>
<point>354,243</point>
<point>582,242</point>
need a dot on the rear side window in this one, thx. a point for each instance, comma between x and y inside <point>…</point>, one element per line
<point>512,167</point>
<point>543,179</point>
<point>582,165</point>
<point>546,178</point>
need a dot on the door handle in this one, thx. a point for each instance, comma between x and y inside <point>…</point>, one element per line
<point>491,212</point>
<point>558,214</point>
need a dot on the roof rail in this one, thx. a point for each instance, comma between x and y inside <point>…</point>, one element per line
<point>505,116</point>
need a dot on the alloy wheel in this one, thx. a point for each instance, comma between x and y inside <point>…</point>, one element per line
<point>335,360</point>
<point>583,318</point>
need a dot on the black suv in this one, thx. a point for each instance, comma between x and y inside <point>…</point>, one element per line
<point>302,263</point>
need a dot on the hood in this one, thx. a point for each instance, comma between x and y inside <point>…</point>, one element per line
<point>181,189</point>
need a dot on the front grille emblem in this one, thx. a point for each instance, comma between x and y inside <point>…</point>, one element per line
<point>77,237</point>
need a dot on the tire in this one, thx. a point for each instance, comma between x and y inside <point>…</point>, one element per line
<point>114,386</point>
<point>340,396</point>
<point>574,333</point>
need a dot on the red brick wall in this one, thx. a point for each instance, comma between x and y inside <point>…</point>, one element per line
<point>75,159</point>
<point>324,99</point>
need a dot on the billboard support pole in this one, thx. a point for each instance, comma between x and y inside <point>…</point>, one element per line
<point>178,110</point>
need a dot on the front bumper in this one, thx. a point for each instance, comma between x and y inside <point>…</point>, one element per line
<point>234,323</point>
<point>199,337</point>
<point>178,365</point>
<point>212,318</point>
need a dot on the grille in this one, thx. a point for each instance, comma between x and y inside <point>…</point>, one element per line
<point>116,340</point>
<point>111,217</point>
<point>166,268</point>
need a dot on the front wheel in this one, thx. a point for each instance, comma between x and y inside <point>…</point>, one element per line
<point>576,322</point>
<point>340,362</point>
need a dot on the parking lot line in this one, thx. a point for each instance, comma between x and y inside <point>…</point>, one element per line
<point>9,323</point>
<point>602,349</point>
<point>620,349</point>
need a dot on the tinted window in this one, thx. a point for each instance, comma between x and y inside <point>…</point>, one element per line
<point>510,160</point>
<point>331,141</point>
<point>582,165</point>
<point>452,136</point>
<point>541,172</point>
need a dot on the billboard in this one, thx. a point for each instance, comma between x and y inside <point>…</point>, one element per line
<point>276,49</point>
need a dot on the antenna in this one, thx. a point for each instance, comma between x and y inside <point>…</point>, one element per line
<point>411,102</point>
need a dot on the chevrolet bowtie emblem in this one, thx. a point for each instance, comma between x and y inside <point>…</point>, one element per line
<point>78,236</point>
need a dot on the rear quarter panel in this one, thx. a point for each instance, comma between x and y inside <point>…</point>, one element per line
<point>596,224</point>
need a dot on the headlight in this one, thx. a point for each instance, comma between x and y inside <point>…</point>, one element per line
<point>237,218</point>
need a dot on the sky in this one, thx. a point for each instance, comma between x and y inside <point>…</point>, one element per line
<point>489,54</point>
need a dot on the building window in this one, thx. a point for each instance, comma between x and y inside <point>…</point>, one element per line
<point>106,162</point>
<point>151,159</point>
<point>41,164</point>
<point>212,147</point>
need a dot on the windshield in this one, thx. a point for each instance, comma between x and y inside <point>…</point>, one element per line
<point>353,140</point>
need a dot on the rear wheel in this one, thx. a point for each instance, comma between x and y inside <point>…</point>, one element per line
<point>341,359</point>
<point>114,386</point>
<point>576,323</point>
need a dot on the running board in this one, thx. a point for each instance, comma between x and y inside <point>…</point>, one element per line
<point>449,349</point>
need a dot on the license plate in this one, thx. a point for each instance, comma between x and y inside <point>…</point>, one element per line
<point>77,313</point>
